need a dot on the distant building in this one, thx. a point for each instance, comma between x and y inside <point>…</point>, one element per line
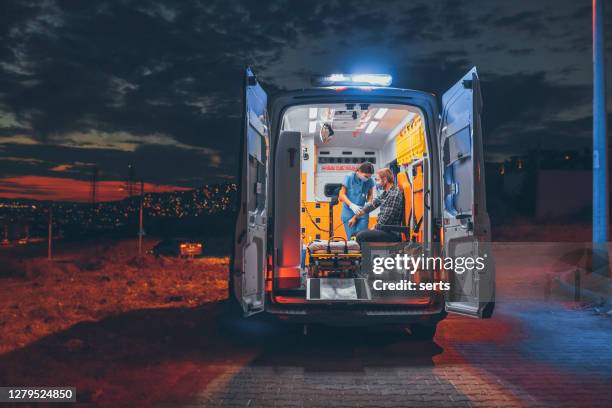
<point>563,194</point>
<point>543,185</point>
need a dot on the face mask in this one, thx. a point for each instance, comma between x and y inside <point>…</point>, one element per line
<point>362,177</point>
<point>379,187</point>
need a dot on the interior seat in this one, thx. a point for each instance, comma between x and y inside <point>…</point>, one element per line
<point>403,183</point>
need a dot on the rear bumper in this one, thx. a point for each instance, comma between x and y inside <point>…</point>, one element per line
<point>358,315</point>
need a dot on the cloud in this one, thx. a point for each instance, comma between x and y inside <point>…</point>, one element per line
<point>29,160</point>
<point>75,168</point>
<point>159,84</point>
<point>18,139</point>
<point>531,21</point>
<point>528,110</point>
<point>123,141</point>
<point>152,163</point>
<point>521,51</point>
<point>160,10</point>
<point>121,88</point>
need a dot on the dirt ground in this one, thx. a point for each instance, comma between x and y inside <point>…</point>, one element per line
<point>88,282</point>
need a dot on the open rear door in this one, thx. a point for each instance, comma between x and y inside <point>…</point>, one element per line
<point>465,219</point>
<point>248,265</point>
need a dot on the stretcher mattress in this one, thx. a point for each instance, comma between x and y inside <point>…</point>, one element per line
<point>323,246</point>
<point>335,257</point>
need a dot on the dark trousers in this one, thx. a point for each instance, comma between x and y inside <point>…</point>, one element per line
<point>375,235</point>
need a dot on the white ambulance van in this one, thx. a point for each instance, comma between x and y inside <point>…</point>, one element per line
<point>290,176</point>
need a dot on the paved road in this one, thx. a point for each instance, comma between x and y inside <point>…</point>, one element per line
<point>538,350</point>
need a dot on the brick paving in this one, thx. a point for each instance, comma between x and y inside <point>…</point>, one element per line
<point>387,369</point>
<point>537,351</point>
<point>533,353</point>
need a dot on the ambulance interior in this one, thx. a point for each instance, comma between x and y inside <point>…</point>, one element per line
<point>385,135</point>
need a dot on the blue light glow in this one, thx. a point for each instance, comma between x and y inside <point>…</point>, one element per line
<point>372,79</point>
<point>355,79</point>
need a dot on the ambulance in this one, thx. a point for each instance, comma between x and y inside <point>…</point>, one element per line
<point>296,151</point>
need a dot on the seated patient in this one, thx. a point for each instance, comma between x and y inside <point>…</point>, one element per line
<point>391,203</point>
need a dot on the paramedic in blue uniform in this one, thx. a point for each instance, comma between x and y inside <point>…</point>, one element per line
<point>357,189</point>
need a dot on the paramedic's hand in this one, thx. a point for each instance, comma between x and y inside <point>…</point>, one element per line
<point>355,208</point>
<point>352,222</point>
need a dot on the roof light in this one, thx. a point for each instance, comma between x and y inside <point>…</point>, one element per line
<point>312,127</point>
<point>353,80</point>
<point>312,113</point>
<point>380,113</point>
<point>339,78</point>
<point>371,127</point>
<point>372,79</point>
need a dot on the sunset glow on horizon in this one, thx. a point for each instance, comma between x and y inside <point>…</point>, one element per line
<point>67,189</point>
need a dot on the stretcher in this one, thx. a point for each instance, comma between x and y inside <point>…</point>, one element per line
<point>336,257</point>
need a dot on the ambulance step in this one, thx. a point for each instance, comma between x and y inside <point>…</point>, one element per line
<point>337,289</point>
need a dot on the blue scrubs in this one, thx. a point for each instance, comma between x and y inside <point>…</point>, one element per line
<point>356,191</point>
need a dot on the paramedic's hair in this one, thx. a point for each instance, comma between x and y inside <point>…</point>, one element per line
<point>386,174</point>
<point>366,167</point>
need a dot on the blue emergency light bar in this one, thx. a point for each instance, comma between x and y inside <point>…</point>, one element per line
<point>353,80</point>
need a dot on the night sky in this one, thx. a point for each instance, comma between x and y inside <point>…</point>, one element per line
<point>158,84</point>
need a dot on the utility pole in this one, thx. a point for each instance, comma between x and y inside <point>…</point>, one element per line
<point>141,230</point>
<point>130,181</point>
<point>600,145</point>
<point>50,234</point>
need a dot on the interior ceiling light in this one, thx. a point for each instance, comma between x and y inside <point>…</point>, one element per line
<point>312,113</point>
<point>371,127</point>
<point>380,113</point>
<point>312,127</point>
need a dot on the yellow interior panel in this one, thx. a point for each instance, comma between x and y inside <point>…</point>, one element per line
<point>410,142</point>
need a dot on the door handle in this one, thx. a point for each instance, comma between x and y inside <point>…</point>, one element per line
<point>292,151</point>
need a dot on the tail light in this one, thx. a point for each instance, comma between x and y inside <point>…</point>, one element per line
<point>269,273</point>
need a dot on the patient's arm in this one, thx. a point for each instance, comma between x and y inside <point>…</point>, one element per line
<point>371,206</point>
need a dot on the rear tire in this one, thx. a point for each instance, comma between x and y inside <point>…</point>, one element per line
<point>423,331</point>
